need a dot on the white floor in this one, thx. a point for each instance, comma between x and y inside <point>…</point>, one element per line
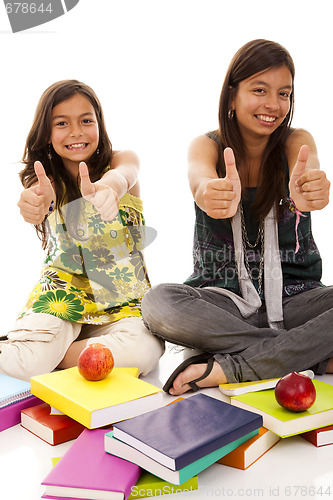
<point>293,469</point>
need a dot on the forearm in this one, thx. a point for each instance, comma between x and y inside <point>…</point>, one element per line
<point>123,174</point>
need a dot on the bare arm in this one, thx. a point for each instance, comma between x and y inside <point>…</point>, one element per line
<point>309,187</point>
<point>217,197</point>
<point>123,175</point>
<point>295,141</point>
<point>202,160</point>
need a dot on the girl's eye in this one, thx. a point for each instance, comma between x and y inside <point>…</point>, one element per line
<point>286,95</point>
<point>60,124</point>
<point>87,120</point>
<point>259,91</point>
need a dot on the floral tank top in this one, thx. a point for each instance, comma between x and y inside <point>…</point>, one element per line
<point>94,271</point>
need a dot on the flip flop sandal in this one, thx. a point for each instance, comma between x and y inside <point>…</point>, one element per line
<point>194,360</point>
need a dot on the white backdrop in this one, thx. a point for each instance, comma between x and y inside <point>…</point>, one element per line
<point>157,67</point>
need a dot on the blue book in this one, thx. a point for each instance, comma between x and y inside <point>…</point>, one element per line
<point>186,431</point>
<point>127,452</point>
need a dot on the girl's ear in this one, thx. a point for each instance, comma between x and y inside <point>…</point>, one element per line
<point>232,92</point>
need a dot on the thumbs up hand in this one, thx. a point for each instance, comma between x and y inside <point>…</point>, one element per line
<point>309,188</point>
<point>35,201</point>
<point>222,196</point>
<point>102,196</point>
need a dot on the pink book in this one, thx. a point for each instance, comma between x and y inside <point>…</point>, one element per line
<point>87,471</point>
<point>11,415</point>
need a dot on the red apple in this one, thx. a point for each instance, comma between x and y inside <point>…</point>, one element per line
<point>95,362</point>
<point>295,392</point>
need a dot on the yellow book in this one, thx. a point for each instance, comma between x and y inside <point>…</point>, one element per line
<point>95,404</point>
<point>238,388</point>
<point>149,485</point>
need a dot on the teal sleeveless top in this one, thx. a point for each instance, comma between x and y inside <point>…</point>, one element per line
<point>214,254</point>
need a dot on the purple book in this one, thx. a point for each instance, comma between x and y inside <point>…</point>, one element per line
<point>192,429</point>
<point>87,468</point>
<point>11,415</point>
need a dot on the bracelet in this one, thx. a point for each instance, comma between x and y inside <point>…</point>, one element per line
<point>51,207</point>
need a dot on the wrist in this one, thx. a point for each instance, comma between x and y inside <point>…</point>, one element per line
<point>116,181</point>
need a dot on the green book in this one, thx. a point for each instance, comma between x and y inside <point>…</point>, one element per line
<point>149,485</point>
<point>284,422</point>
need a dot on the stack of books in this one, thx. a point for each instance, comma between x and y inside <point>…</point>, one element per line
<point>180,440</point>
<point>15,395</point>
<point>86,471</point>
<point>54,429</point>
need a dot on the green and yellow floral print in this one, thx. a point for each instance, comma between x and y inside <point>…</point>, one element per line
<point>94,271</point>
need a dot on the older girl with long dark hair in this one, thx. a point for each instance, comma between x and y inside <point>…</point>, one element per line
<point>254,305</point>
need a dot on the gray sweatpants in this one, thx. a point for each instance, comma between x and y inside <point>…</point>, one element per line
<point>247,349</point>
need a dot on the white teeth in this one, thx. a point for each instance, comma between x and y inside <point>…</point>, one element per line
<point>76,146</point>
<point>265,118</point>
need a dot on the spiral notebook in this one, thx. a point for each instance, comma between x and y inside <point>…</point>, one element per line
<point>13,390</point>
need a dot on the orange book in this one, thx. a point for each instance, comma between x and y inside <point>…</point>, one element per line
<point>250,451</point>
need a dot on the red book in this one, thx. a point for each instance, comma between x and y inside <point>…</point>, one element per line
<point>54,429</point>
<point>319,437</point>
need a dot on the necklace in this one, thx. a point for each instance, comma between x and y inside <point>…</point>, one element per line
<point>246,244</point>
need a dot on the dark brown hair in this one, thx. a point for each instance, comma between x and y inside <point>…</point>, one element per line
<point>254,57</point>
<point>37,146</point>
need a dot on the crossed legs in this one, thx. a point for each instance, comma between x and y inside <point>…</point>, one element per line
<point>244,349</point>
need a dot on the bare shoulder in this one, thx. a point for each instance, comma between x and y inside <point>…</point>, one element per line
<point>125,156</point>
<point>203,146</point>
<point>297,138</point>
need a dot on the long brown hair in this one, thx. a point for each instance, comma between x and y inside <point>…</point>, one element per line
<point>254,57</point>
<point>38,146</point>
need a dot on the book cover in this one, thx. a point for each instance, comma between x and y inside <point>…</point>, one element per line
<point>86,471</point>
<point>235,389</point>
<point>12,390</point>
<point>99,403</point>
<point>288,423</point>
<point>320,437</point>
<point>149,485</point>
<point>180,443</point>
<point>178,477</point>
<point>54,429</point>
<point>250,451</point>
<point>10,415</point>
<point>131,371</point>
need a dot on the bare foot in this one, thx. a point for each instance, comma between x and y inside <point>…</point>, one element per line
<point>192,372</point>
<point>72,355</point>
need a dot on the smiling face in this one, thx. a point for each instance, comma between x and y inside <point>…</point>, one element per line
<point>74,132</point>
<point>262,102</point>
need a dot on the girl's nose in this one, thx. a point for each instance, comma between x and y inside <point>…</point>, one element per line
<point>272,102</point>
<point>75,130</point>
